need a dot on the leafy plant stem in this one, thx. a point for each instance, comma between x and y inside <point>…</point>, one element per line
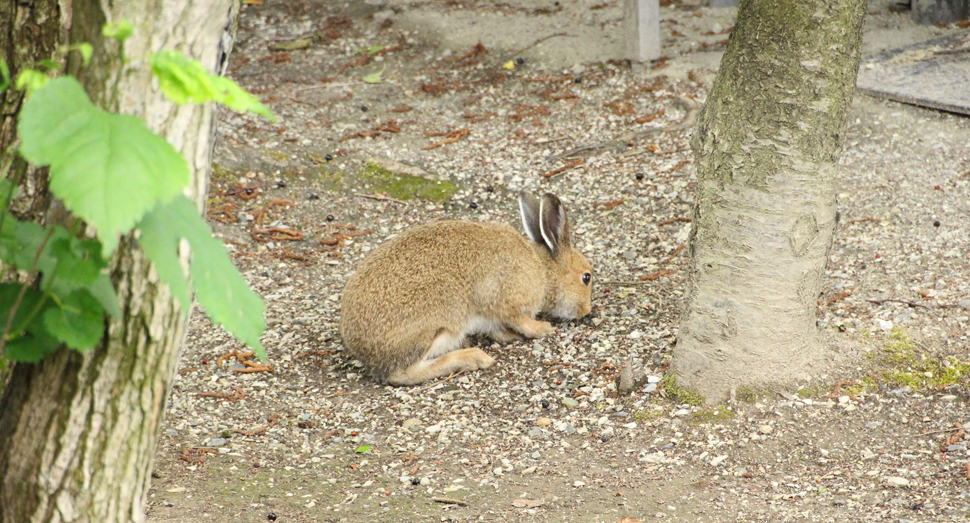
<point>23,291</point>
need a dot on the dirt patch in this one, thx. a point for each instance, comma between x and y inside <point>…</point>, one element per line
<point>543,435</point>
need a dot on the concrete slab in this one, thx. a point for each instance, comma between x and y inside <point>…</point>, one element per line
<point>934,73</point>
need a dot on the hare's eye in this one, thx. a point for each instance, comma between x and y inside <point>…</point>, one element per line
<point>586,278</point>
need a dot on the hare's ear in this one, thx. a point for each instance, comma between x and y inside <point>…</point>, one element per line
<point>529,209</point>
<point>554,224</point>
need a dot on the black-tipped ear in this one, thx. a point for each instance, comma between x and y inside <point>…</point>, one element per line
<point>529,209</point>
<point>554,223</point>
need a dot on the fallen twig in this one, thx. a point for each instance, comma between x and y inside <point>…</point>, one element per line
<point>890,300</point>
<point>655,275</point>
<point>673,220</point>
<point>453,136</point>
<point>442,380</point>
<point>382,198</point>
<point>572,164</point>
<point>537,42</point>
<point>588,150</point>
<point>276,233</point>
<point>238,394</point>
<point>450,501</point>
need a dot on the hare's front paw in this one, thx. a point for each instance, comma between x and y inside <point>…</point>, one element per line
<point>478,359</point>
<point>532,328</point>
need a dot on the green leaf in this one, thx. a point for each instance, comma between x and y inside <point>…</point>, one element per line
<point>30,347</point>
<point>362,449</point>
<point>187,81</point>
<point>375,49</point>
<point>119,30</point>
<point>226,296</point>
<point>109,169</point>
<point>78,322</point>
<point>28,340</point>
<point>4,76</point>
<point>31,80</point>
<point>107,296</point>
<point>7,191</point>
<point>28,237</point>
<point>375,78</point>
<point>159,239</point>
<point>79,262</point>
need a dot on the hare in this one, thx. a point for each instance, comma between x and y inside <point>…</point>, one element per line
<point>407,310</point>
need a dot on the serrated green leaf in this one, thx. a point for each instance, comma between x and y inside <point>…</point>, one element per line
<point>226,296</point>
<point>30,347</point>
<point>79,262</point>
<point>28,237</point>
<point>7,192</point>
<point>119,30</point>
<point>78,321</point>
<point>187,81</point>
<point>8,243</point>
<point>4,76</point>
<point>362,449</point>
<point>31,80</point>
<point>159,239</point>
<point>27,316</point>
<point>375,78</point>
<point>109,169</point>
<point>107,296</point>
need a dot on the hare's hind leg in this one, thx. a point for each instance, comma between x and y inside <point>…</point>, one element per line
<point>441,359</point>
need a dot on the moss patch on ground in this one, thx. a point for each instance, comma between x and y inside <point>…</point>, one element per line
<point>404,186</point>
<point>713,415</point>
<point>680,394</point>
<point>903,365</point>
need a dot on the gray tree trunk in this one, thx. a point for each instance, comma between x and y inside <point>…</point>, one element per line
<point>766,147</point>
<point>78,431</point>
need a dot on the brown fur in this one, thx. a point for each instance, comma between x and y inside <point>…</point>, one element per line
<point>427,288</point>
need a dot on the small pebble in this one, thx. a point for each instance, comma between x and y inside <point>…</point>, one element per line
<point>896,481</point>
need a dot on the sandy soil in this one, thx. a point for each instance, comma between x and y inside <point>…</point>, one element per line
<point>546,104</point>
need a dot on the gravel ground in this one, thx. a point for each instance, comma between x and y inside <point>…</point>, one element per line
<point>543,435</point>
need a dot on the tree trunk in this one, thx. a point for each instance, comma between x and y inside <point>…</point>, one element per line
<point>78,431</point>
<point>766,147</point>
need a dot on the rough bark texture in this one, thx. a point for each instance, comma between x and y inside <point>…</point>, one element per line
<point>78,431</point>
<point>766,145</point>
<point>29,31</point>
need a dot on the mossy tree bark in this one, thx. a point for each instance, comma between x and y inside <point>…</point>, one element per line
<point>78,431</point>
<point>766,147</point>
